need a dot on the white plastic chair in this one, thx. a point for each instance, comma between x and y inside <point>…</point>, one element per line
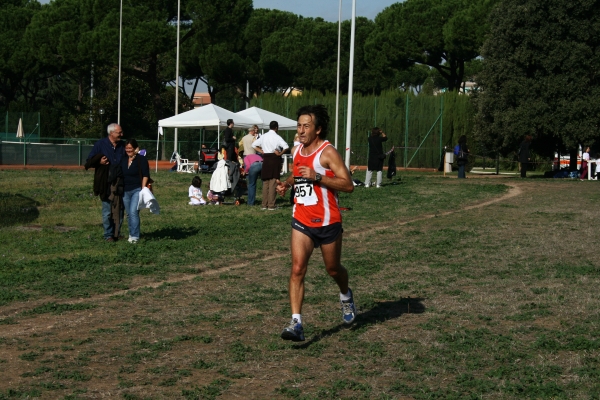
<point>184,164</point>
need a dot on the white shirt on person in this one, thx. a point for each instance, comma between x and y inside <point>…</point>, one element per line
<point>269,142</point>
<point>195,195</point>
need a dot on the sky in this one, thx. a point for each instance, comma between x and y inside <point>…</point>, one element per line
<point>326,9</point>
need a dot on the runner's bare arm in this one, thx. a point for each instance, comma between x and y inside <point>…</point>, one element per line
<point>332,160</point>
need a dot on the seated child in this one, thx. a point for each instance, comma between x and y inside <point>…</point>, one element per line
<point>195,193</point>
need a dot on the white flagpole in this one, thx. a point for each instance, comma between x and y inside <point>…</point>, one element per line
<point>157,142</point>
<point>177,71</point>
<point>120,41</point>
<point>350,86</point>
<point>337,87</point>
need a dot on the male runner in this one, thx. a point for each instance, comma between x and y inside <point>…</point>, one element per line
<point>318,174</point>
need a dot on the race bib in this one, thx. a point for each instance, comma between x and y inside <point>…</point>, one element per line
<point>304,191</point>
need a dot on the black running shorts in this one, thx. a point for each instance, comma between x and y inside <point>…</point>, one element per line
<point>324,235</point>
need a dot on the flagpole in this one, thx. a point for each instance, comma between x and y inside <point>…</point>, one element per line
<point>177,71</point>
<point>120,45</point>
<point>337,87</point>
<point>350,85</point>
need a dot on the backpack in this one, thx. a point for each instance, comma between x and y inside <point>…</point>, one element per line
<point>460,154</point>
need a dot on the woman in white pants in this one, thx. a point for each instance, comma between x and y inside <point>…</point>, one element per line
<point>376,156</point>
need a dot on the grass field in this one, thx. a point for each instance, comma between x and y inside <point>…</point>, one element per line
<point>484,288</point>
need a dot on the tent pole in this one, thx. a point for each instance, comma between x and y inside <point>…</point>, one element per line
<point>157,142</point>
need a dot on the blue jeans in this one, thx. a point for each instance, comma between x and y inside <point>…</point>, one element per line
<point>131,199</point>
<point>107,221</point>
<point>461,171</point>
<point>253,175</point>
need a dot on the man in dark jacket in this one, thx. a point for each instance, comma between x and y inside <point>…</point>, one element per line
<point>229,140</point>
<point>376,156</point>
<point>105,157</point>
<point>524,156</point>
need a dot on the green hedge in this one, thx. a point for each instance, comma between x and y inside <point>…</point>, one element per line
<point>388,111</point>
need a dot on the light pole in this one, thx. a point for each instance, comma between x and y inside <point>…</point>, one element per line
<point>177,73</point>
<point>337,87</point>
<point>350,85</point>
<point>101,112</point>
<point>120,41</point>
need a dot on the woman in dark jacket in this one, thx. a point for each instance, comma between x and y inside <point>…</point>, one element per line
<point>463,150</point>
<point>376,156</point>
<point>136,173</point>
<point>524,156</point>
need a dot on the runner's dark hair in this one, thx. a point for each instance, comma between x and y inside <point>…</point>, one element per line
<point>320,117</point>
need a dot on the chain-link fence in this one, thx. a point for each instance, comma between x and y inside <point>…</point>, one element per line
<point>31,126</point>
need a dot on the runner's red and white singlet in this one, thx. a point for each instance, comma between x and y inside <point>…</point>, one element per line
<point>314,205</point>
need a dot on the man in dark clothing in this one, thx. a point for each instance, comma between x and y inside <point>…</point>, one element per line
<point>524,156</point>
<point>229,140</point>
<point>376,156</point>
<point>109,150</point>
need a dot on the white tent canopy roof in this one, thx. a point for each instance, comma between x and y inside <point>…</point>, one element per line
<point>208,116</point>
<point>263,118</point>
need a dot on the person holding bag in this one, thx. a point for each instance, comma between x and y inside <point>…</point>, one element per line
<point>376,156</point>
<point>136,173</point>
<point>462,153</point>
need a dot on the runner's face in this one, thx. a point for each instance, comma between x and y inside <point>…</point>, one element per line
<point>307,132</point>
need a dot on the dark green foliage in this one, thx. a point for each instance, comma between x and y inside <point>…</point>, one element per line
<point>538,76</point>
<point>443,35</point>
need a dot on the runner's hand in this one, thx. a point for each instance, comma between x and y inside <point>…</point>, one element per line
<point>306,172</point>
<point>282,187</point>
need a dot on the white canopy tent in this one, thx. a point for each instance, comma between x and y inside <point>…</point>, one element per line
<point>209,116</point>
<point>263,118</point>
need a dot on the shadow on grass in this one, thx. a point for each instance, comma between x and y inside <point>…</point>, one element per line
<point>171,233</point>
<point>16,209</point>
<point>381,312</point>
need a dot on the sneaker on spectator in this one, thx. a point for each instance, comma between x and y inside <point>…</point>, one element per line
<point>263,208</point>
<point>293,331</point>
<point>348,309</point>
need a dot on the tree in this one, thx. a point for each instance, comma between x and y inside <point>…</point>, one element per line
<point>262,24</point>
<point>541,75</point>
<point>16,61</point>
<point>217,43</point>
<point>442,34</point>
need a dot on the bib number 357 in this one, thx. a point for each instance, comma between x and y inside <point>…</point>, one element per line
<point>304,192</point>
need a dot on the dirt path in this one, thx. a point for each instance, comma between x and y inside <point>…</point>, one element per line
<point>45,322</point>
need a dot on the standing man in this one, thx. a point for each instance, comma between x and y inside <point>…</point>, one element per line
<point>105,158</point>
<point>319,173</point>
<point>229,140</point>
<point>524,155</point>
<point>272,146</point>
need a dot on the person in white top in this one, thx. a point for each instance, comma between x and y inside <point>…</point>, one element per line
<point>270,141</point>
<point>584,163</point>
<point>195,192</point>
<point>272,146</point>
